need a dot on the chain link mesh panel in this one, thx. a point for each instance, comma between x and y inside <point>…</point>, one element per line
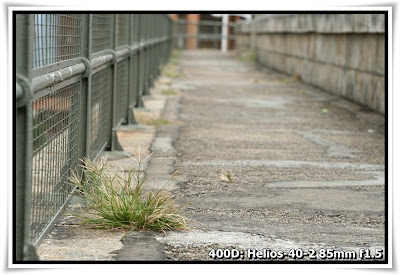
<point>135,79</point>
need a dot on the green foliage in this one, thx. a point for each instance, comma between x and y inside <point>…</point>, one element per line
<point>171,69</point>
<point>122,202</point>
<point>226,177</point>
<point>169,92</point>
<point>175,56</point>
<point>157,122</point>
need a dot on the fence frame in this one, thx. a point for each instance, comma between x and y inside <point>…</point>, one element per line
<point>148,48</point>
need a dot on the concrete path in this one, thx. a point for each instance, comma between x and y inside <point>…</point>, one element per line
<point>269,162</point>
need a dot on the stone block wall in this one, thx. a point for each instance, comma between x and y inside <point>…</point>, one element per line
<point>340,53</point>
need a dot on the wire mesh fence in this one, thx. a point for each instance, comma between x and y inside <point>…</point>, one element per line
<point>122,90</point>
<point>56,37</point>
<point>100,111</point>
<point>101,32</point>
<point>81,78</point>
<point>123,29</point>
<point>55,151</point>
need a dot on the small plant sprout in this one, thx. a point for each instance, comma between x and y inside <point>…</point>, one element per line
<point>121,201</point>
<point>226,177</point>
<point>169,92</point>
<point>157,122</point>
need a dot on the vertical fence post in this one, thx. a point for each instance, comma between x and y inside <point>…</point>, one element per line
<point>163,23</point>
<point>170,38</point>
<point>143,40</point>
<point>157,36</point>
<point>114,77</point>
<point>159,44</point>
<point>132,64</point>
<point>224,31</point>
<point>114,141</point>
<point>24,249</point>
<point>150,52</point>
<point>85,97</point>
<point>139,100</point>
<point>146,49</point>
<point>155,48</point>
<point>168,33</point>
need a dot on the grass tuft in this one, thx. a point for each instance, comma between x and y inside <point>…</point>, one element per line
<point>122,202</point>
<point>157,122</point>
<point>169,92</point>
<point>171,69</point>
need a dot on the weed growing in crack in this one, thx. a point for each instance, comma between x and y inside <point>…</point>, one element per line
<point>226,177</point>
<point>171,69</point>
<point>169,92</point>
<point>158,122</point>
<point>116,201</point>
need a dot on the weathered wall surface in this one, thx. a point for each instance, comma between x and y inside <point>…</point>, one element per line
<point>340,53</point>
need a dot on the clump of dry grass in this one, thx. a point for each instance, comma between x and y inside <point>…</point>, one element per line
<point>115,201</point>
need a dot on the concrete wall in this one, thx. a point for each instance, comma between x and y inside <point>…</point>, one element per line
<point>340,53</point>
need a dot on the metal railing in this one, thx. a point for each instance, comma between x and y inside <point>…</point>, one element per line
<point>203,34</point>
<point>78,78</point>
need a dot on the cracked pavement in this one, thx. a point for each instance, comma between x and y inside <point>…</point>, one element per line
<point>307,167</point>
